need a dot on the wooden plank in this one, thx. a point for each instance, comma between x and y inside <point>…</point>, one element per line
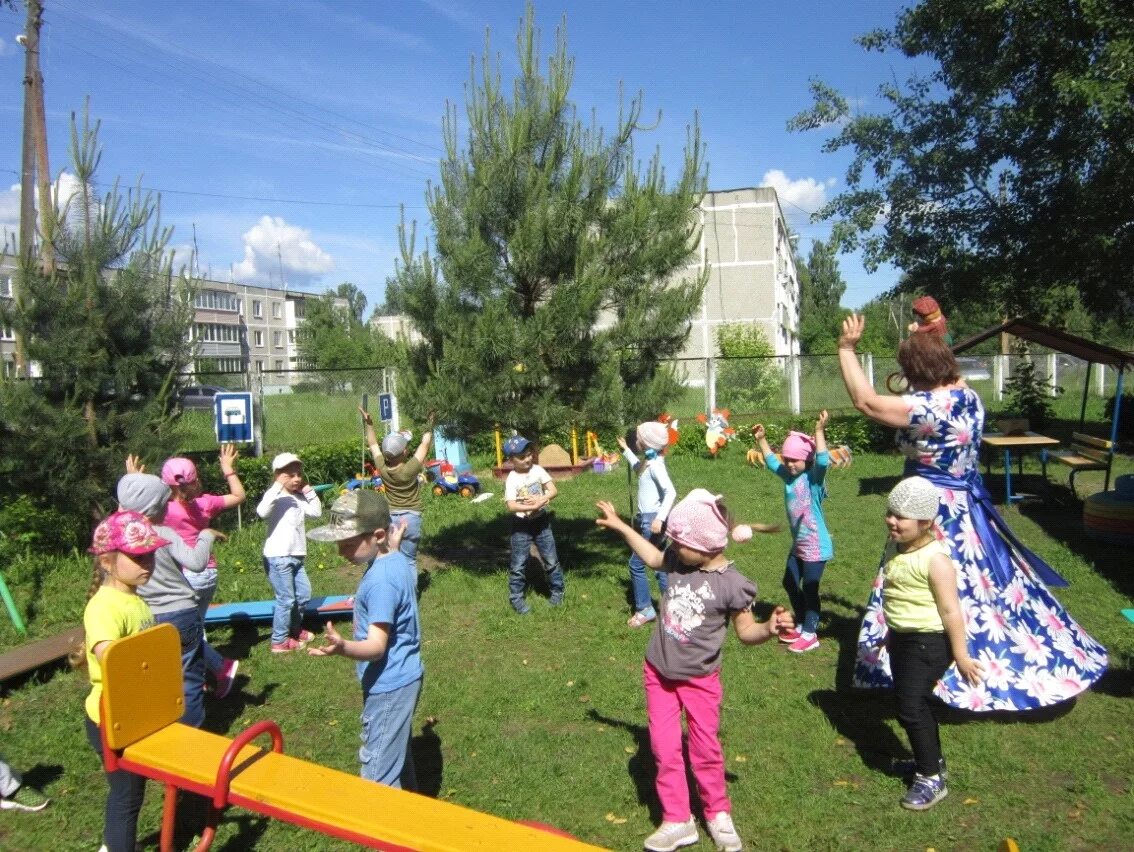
<point>35,654</point>
<point>1090,440</point>
<point>329,606</point>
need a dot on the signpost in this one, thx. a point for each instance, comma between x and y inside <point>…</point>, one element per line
<point>233,418</point>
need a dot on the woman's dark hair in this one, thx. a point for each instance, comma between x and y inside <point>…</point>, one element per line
<point>926,360</point>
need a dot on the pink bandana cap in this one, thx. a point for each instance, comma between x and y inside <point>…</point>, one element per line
<point>798,446</point>
<point>129,532</point>
<point>178,471</point>
<point>699,522</point>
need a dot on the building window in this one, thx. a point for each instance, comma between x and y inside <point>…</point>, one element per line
<point>300,308</point>
<point>6,333</point>
<point>211,332</point>
<point>257,309</point>
<point>216,300</point>
<point>220,365</point>
<point>276,311</point>
<point>9,368</point>
<point>291,336</point>
<point>259,365</point>
<point>279,364</point>
<point>277,339</point>
<point>258,336</point>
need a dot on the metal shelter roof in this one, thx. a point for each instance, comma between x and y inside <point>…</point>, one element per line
<point>1053,338</point>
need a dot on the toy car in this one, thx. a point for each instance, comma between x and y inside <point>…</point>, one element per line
<point>369,478</point>
<point>446,480</point>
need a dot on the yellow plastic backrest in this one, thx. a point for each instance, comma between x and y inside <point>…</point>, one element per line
<point>141,685</point>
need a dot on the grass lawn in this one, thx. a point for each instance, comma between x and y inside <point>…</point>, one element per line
<point>543,717</point>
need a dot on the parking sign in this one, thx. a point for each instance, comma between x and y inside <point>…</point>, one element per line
<point>386,406</point>
<point>233,418</point>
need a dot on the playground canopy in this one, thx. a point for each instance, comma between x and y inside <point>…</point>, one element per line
<point>1079,347</point>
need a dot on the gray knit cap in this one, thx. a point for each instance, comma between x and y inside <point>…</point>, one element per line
<point>142,492</point>
<point>915,498</point>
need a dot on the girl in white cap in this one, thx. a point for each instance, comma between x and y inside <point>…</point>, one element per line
<point>656,496</point>
<point>927,628</point>
<point>682,669</point>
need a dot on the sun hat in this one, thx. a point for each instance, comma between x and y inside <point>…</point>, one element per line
<point>178,471</point>
<point>142,492</point>
<point>128,532</point>
<point>283,460</point>
<point>798,446</point>
<point>698,522</point>
<point>354,513</point>
<point>394,444</point>
<point>515,445</point>
<point>915,498</point>
<point>653,435</point>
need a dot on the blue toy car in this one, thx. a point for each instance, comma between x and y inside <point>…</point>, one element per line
<point>446,480</point>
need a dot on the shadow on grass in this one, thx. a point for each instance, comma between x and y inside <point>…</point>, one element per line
<point>428,762</point>
<point>42,774</point>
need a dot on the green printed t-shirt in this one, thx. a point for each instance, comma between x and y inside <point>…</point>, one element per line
<point>402,484</point>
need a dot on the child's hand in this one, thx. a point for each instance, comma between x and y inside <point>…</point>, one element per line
<point>217,534</point>
<point>397,530</point>
<point>609,517</point>
<point>970,670</point>
<point>134,464</point>
<point>334,643</point>
<point>656,526</point>
<point>821,423</point>
<point>366,418</point>
<point>781,620</point>
<point>228,456</point>
<point>758,432</point>
<point>622,443</point>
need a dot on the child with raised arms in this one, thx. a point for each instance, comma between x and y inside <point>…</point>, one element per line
<point>804,472</point>
<point>682,668</point>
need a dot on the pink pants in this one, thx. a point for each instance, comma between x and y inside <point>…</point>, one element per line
<point>700,698</point>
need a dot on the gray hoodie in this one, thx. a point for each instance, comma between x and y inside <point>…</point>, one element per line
<point>168,590</point>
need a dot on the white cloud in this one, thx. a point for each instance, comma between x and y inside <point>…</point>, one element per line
<point>271,244</point>
<point>7,49</point>
<point>800,198</point>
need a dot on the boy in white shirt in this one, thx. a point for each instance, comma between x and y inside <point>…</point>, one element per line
<point>527,491</point>
<point>284,506</point>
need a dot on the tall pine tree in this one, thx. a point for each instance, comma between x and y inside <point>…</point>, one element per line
<point>559,284</point>
<point>821,290</point>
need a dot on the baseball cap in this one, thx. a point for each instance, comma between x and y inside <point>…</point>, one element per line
<point>128,532</point>
<point>283,460</point>
<point>515,445</point>
<point>178,471</point>
<point>354,513</point>
<point>394,444</point>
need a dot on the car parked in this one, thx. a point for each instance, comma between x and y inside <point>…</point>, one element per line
<point>198,396</point>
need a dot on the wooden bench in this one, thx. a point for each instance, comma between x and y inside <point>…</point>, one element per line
<point>1086,453</point>
<point>141,704</point>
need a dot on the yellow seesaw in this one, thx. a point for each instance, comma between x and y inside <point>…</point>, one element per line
<point>141,703</point>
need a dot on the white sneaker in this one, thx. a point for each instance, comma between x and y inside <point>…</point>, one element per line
<point>672,835</point>
<point>724,833</point>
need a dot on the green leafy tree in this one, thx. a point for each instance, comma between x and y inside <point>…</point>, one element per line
<point>355,299</point>
<point>107,329</point>
<point>749,377</point>
<point>334,337</point>
<point>821,290</point>
<point>1002,176</point>
<point>1026,393</point>
<point>558,284</point>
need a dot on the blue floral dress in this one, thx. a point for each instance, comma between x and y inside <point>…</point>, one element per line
<point>1033,653</point>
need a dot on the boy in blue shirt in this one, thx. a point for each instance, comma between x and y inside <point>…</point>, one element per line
<point>387,633</point>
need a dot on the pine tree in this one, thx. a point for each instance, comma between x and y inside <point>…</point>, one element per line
<point>821,290</point>
<point>558,286</point>
<point>108,329</point>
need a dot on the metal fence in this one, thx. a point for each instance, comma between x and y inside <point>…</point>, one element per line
<point>305,408</point>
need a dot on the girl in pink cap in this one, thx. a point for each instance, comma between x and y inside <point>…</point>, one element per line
<point>682,668</point>
<point>190,511</point>
<point>803,470</point>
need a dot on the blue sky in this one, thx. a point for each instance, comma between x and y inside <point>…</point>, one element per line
<point>288,134</point>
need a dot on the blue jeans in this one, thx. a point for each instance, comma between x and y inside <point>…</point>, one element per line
<point>293,590</point>
<point>188,624</point>
<point>387,721</point>
<point>524,532</point>
<point>412,537</point>
<point>213,659</point>
<point>801,582</point>
<point>123,802</point>
<point>639,581</point>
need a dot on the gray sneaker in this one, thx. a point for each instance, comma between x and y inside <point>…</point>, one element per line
<point>924,793</point>
<point>521,607</point>
<point>724,833</point>
<point>672,835</point>
<point>24,799</point>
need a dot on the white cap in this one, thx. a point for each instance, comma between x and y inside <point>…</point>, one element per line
<point>915,498</point>
<point>283,460</point>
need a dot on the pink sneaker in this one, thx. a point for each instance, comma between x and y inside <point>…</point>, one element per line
<point>804,643</point>
<point>305,636</point>
<point>287,645</point>
<point>789,636</point>
<point>226,677</point>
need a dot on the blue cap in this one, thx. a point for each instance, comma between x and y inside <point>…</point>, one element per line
<point>515,445</point>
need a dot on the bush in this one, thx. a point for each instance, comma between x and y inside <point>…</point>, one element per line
<point>1125,415</point>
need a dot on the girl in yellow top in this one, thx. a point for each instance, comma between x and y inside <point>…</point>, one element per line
<point>927,628</point>
<point>123,546</point>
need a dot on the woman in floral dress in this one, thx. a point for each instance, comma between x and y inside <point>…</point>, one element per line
<point>1032,652</point>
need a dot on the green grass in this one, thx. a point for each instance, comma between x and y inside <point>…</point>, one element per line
<point>543,717</point>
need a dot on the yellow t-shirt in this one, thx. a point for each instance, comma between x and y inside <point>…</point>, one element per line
<point>110,615</point>
<point>907,598</point>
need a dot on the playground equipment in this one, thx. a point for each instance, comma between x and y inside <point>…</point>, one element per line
<point>243,612</point>
<point>33,655</point>
<point>447,480</point>
<point>141,704</point>
<point>1109,515</point>
<point>552,458</point>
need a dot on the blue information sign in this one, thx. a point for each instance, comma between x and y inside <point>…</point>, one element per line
<point>233,413</point>
<point>386,406</point>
